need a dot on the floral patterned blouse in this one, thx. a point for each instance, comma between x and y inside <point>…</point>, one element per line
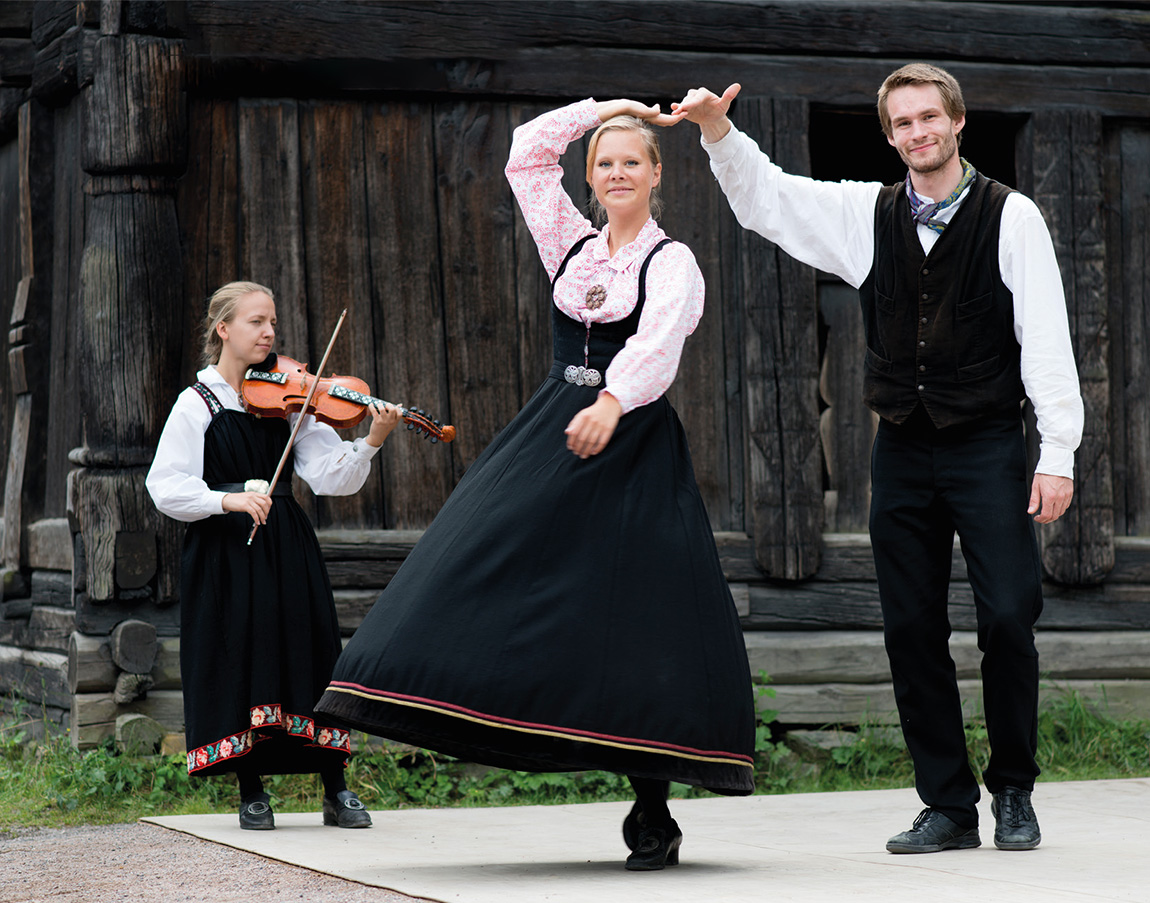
<point>646,366</point>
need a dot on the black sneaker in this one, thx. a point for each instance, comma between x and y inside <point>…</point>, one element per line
<point>1015,824</point>
<point>933,832</point>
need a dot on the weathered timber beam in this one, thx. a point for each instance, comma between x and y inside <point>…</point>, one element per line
<point>1087,36</point>
<point>839,703</point>
<point>846,557</point>
<point>38,677</point>
<point>859,656</point>
<point>64,66</point>
<point>855,606</point>
<point>657,75</point>
<point>94,714</point>
<point>16,17</point>
<point>16,58</point>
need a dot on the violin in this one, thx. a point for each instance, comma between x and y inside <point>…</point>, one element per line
<point>341,401</point>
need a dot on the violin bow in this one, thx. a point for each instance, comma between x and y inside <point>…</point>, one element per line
<point>302,414</point>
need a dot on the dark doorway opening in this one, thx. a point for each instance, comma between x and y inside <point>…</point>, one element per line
<point>849,144</point>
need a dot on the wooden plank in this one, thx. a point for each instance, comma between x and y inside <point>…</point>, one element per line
<point>336,242</point>
<point>37,677</point>
<point>476,222</point>
<point>91,669</point>
<point>874,703</point>
<point>406,30</point>
<point>50,544</point>
<point>65,66</point>
<point>1127,171</point>
<point>699,393</point>
<point>759,276</point>
<point>135,114</point>
<point>66,245</point>
<point>49,628</point>
<point>14,480</point>
<point>855,606</point>
<point>1079,548</point>
<point>859,656</point>
<point>409,362</point>
<point>351,606</point>
<point>93,717</point>
<point>207,199</point>
<point>846,427</point>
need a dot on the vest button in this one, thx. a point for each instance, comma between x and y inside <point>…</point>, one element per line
<point>923,320</point>
<point>922,388</point>
<point>921,368</point>
<point>922,344</point>
<point>926,272</point>
<point>925,296</point>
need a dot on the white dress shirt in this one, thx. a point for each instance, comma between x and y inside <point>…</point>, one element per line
<point>328,464</point>
<point>830,226</point>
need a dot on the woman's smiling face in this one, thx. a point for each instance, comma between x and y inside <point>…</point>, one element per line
<point>622,173</point>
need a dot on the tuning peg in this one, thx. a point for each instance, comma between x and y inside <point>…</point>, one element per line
<point>411,426</point>
<point>434,440</point>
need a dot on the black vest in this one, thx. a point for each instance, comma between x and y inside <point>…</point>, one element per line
<point>940,328</point>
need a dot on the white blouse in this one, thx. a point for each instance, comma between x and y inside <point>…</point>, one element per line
<point>328,464</point>
<point>646,366</point>
<point>830,226</point>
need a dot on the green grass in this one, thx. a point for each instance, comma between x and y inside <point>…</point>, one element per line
<point>47,783</point>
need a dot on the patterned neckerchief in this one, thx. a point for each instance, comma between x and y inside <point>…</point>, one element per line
<point>924,213</point>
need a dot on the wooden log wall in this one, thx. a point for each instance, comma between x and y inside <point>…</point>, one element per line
<point>350,155</point>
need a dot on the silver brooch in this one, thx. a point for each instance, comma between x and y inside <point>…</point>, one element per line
<point>582,376</point>
<point>596,296</point>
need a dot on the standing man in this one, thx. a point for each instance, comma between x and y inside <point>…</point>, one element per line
<point>964,317</point>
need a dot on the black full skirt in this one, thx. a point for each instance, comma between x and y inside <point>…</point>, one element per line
<point>259,634</point>
<point>562,614</point>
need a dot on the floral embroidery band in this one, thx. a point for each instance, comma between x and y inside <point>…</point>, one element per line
<point>266,718</point>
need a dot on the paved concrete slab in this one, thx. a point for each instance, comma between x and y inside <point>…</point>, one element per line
<point>800,847</point>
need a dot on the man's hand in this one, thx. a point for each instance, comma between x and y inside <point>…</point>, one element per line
<point>1050,497</point>
<point>592,428</point>
<point>707,110</point>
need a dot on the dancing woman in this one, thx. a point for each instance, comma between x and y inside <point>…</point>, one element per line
<point>566,610</point>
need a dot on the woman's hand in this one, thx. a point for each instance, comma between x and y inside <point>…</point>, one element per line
<point>622,107</point>
<point>592,428</point>
<point>254,503</point>
<point>384,418</point>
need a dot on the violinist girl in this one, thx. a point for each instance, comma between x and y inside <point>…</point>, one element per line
<point>258,629</point>
<point>567,610</point>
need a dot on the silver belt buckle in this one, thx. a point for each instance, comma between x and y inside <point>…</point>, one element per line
<point>582,376</point>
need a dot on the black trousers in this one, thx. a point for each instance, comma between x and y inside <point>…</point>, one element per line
<point>928,484</point>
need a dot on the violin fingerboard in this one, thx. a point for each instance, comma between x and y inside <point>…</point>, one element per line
<point>346,394</point>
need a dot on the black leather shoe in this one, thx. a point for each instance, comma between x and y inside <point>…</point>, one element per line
<point>1015,824</point>
<point>345,811</point>
<point>656,848</point>
<point>933,832</point>
<point>633,825</point>
<point>256,814</point>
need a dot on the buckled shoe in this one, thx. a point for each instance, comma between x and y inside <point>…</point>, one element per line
<point>933,832</point>
<point>656,849</point>
<point>345,811</point>
<point>256,813</point>
<point>1015,824</point>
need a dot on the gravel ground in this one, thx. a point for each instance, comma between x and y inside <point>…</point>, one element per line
<point>144,863</point>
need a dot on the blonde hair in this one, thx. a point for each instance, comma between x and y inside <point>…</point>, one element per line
<point>650,143</point>
<point>221,309</point>
<point>921,74</point>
